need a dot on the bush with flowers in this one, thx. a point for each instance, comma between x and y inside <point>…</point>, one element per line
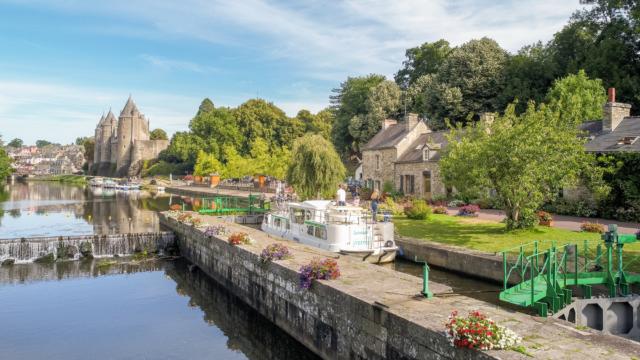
<point>440,210</point>
<point>215,230</point>
<point>275,251</point>
<point>592,227</point>
<point>469,210</point>
<point>184,217</point>
<point>476,331</point>
<point>239,238</point>
<point>326,269</point>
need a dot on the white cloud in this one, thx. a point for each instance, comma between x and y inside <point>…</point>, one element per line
<point>172,64</point>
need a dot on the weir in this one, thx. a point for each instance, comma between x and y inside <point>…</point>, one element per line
<point>24,250</point>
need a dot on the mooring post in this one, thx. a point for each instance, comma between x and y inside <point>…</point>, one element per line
<point>425,281</point>
<point>504,268</point>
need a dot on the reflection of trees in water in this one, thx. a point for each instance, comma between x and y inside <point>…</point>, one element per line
<point>246,330</point>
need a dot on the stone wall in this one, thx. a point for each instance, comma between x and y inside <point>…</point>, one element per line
<point>382,173</point>
<point>417,170</point>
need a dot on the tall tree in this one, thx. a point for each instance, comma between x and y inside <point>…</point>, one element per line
<point>5,166</point>
<point>577,98</point>
<point>422,60</point>
<point>158,134</point>
<point>207,164</point>
<point>42,143</point>
<point>525,158</point>
<point>15,143</point>
<point>316,168</point>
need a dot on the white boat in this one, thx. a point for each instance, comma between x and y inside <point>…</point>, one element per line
<point>128,186</point>
<point>96,182</point>
<point>109,184</point>
<point>343,229</point>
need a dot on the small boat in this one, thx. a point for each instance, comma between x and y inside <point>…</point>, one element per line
<point>160,189</point>
<point>346,230</point>
<point>128,186</point>
<point>96,182</point>
<point>109,184</point>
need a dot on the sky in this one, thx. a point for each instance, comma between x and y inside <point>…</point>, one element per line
<point>64,63</point>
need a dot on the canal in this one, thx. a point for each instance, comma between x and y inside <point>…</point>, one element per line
<point>155,309</point>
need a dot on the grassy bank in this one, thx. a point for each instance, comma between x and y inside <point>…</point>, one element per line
<point>66,179</point>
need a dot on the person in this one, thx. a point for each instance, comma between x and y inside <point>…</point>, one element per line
<point>342,196</point>
<point>375,197</point>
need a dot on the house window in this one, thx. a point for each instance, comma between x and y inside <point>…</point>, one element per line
<point>425,155</point>
<point>377,186</point>
<point>409,184</point>
<point>377,162</point>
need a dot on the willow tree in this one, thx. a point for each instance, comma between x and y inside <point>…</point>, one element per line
<point>315,169</point>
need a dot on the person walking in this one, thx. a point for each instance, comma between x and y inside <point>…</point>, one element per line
<point>375,198</point>
<point>342,196</point>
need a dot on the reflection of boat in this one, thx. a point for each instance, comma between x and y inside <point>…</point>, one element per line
<point>160,189</point>
<point>344,229</point>
<point>109,184</point>
<point>128,186</point>
<point>96,182</point>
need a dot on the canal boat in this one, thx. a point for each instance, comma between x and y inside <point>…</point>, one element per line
<point>96,182</point>
<point>109,184</point>
<point>347,230</point>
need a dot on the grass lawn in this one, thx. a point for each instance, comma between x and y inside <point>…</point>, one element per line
<point>488,236</point>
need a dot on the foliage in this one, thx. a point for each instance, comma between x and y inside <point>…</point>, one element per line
<point>89,145</point>
<point>239,238</point>
<point>165,168</point>
<point>43,143</point>
<point>15,143</point>
<point>580,208</point>
<point>158,134</point>
<point>66,179</point>
<point>418,210</point>
<point>440,210</point>
<point>387,187</point>
<point>592,227</point>
<point>469,210</point>
<point>188,218</point>
<point>422,60</point>
<point>623,176</point>
<point>319,123</point>
<point>216,230</point>
<point>544,216</point>
<point>577,98</point>
<point>315,168</point>
<point>326,269</point>
<point>275,251</point>
<point>476,331</point>
<point>206,164</point>
<point>390,205</point>
<point>5,165</point>
<point>512,154</point>
<point>456,203</point>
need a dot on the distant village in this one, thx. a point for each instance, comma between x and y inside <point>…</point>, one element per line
<point>51,159</point>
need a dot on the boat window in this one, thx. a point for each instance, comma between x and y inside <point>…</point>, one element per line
<point>321,232</point>
<point>277,222</point>
<point>310,230</point>
<point>307,215</point>
<point>298,216</point>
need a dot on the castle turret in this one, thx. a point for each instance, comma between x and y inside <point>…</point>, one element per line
<point>131,127</point>
<point>98,141</point>
<point>108,129</point>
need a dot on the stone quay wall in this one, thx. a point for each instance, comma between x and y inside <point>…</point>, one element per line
<point>370,312</point>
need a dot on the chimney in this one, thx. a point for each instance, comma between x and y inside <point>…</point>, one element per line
<point>410,120</point>
<point>388,122</point>
<point>614,112</point>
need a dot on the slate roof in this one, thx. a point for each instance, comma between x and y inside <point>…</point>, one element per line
<point>603,142</point>
<point>592,128</point>
<point>387,138</point>
<point>414,154</point>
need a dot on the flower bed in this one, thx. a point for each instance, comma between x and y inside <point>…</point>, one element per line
<point>592,227</point>
<point>456,203</point>
<point>189,219</point>
<point>239,238</point>
<point>476,331</point>
<point>469,210</point>
<point>440,210</point>
<point>326,269</point>
<point>275,251</point>
<point>216,230</point>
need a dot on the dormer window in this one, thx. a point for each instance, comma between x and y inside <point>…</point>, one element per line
<point>425,154</point>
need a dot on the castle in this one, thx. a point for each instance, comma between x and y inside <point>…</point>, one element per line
<point>123,144</point>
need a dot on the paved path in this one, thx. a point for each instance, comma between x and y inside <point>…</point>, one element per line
<point>562,221</point>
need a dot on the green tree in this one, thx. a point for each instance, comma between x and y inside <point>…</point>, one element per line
<point>422,60</point>
<point>577,98</point>
<point>525,158</point>
<point>207,164</point>
<point>258,118</point>
<point>236,165</point>
<point>158,134</point>
<point>349,101</point>
<point>183,148</point>
<point>316,168</point>
<point>89,146</point>
<point>42,143</point>
<point>5,166</point>
<point>319,123</point>
<point>206,106</point>
<point>216,127</point>
<point>15,143</point>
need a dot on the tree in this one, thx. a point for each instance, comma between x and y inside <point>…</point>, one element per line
<point>15,143</point>
<point>42,143</point>
<point>158,134</point>
<point>348,101</point>
<point>577,98</point>
<point>5,166</point>
<point>258,118</point>
<point>422,60</point>
<point>89,146</point>
<point>316,168</point>
<point>206,106</point>
<point>236,165</point>
<point>524,158</point>
<point>183,148</point>
<point>319,123</point>
<point>207,164</point>
<point>215,128</point>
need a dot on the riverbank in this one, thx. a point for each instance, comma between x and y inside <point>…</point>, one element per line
<point>65,179</point>
<point>370,312</point>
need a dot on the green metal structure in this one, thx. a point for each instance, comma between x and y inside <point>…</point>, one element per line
<point>543,277</point>
<point>228,205</point>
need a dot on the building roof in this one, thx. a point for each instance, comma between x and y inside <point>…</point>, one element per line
<point>592,128</point>
<point>388,137</point>
<point>101,120</point>
<point>414,153</point>
<point>110,118</point>
<point>129,108</point>
<point>625,137</point>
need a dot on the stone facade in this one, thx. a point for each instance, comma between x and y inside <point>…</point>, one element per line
<point>122,144</point>
<point>396,154</point>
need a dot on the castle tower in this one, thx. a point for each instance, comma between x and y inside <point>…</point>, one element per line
<point>132,126</point>
<point>98,141</point>
<point>108,129</point>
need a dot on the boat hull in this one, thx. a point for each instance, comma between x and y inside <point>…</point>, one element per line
<point>374,257</point>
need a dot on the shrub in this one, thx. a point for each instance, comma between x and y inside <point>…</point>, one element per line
<point>592,227</point>
<point>456,203</point>
<point>239,238</point>
<point>544,216</point>
<point>391,206</point>
<point>476,331</point>
<point>387,187</point>
<point>275,251</point>
<point>573,208</point>
<point>440,210</point>
<point>365,193</point>
<point>216,230</point>
<point>468,210</point>
<point>418,210</point>
<point>326,269</point>
<point>439,200</point>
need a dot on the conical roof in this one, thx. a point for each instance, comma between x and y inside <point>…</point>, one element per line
<point>129,108</point>
<point>101,120</point>
<point>110,118</point>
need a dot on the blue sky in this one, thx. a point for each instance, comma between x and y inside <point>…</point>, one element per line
<point>64,62</point>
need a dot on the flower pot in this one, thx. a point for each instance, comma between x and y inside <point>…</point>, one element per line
<point>545,223</point>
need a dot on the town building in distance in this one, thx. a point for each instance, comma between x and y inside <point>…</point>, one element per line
<point>123,144</point>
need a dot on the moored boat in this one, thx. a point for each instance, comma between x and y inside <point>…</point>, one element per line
<point>347,230</point>
<point>96,182</point>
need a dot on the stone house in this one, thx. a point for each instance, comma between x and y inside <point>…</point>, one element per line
<point>406,155</point>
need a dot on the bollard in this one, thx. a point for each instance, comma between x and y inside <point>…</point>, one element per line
<point>425,281</point>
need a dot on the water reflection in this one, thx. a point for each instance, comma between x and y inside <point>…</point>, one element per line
<point>49,208</point>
